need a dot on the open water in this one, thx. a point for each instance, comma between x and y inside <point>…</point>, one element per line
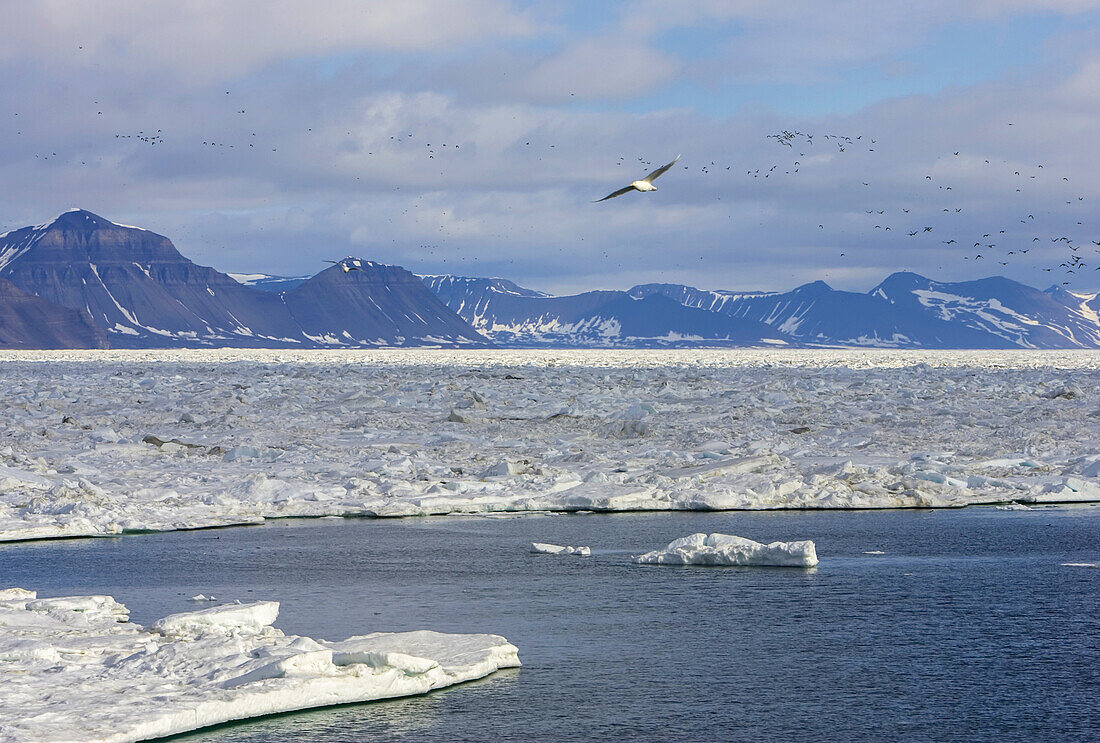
<point>967,628</point>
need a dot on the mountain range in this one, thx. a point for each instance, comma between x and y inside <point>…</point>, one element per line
<point>906,310</point>
<point>136,286</point>
<point>82,281</point>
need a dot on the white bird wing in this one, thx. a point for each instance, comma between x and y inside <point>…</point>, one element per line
<point>660,171</point>
<point>620,192</point>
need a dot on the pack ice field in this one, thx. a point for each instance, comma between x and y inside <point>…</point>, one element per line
<point>97,444</point>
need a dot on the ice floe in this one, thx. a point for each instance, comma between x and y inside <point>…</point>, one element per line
<point>726,549</point>
<point>102,443</point>
<point>557,549</point>
<point>74,668</point>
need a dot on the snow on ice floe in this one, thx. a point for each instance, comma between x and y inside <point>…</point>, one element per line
<point>726,549</point>
<point>108,442</point>
<point>74,668</point>
<point>557,549</point>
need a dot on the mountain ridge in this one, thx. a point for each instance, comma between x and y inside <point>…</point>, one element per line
<point>85,271</point>
<point>905,310</point>
<point>137,286</point>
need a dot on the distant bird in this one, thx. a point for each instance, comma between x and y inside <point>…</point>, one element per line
<point>645,184</point>
<point>343,265</point>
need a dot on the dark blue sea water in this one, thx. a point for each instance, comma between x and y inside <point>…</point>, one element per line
<point>967,628</point>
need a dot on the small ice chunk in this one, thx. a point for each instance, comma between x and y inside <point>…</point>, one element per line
<point>1014,507</point>
<point>90,606</point>
<point>409,664</point>
<point>635,412</point>
<point>201,597</point>
<point>457,417</point>
<point>308,663</point>
<point>1080,565</point>
<point>1064,391</point>
<point>557,549</point>
<point>241,452</point>
<point>254,616</point>
<point>874,552</point>
<point>503,468</point>
<point>726,549</point>
<point>105,436</point>
<point>17,594</point>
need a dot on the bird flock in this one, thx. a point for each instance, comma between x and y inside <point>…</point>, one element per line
<point>943,215</point>
<point>1063,249</point>
<point>1002,243</point>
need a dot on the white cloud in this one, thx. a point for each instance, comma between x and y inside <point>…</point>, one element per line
<point>209,40</point>
<point>599,68</point>
<point>500,181</point>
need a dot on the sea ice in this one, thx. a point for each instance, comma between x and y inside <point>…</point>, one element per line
<point>726,549</point>
<point>106,442</point>
<point>557,549</point>
<point>75,669</point>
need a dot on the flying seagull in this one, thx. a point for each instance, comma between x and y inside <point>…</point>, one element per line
<point>344,265</point>
<point>645,184</point>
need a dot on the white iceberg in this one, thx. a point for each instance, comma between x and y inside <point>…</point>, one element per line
<point>557,549</point>
<point>74,668</point>
<point>726,549</point>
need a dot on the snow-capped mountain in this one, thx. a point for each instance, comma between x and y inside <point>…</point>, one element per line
<point>135,283</point>
<point>268,282</point>
<point>455,287</point>
<point>817,314</point>
<point>27,321</point>
<point>375,305</point>
<point>910,311</point>
<point>1000,307</point>
<point>904,311</point>
<point>512,315</point>
<point>137,286</point>
<point>1085,304</point>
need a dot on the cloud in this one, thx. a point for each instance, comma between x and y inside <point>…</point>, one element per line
<point>207,40</point>
<point>502,163</point>
<point>803,41</point>
<point>599,68</point>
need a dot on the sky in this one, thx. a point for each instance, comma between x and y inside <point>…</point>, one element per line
<point>473,137</point>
